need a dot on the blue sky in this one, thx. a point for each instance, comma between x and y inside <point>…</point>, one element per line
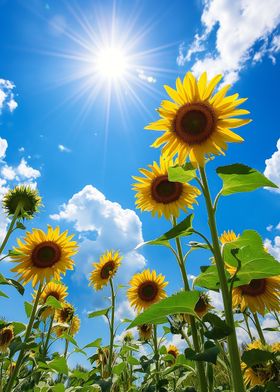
<point>63,127</point>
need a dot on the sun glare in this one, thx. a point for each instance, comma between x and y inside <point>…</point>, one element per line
<point>111,62</point>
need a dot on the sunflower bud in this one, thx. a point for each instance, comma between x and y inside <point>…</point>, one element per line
<point>24,198</point>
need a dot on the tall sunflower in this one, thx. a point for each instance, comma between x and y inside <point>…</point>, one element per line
<point>65,314</point>
<point>146,289</point>
<point>173,350</point>
<point>52,289</point>
<point>157,194</point>
<point>6,337</point>
<point>197,122</point>
<point>43,256</point>
<point>228,236</point>
<point>203,305</point>
<point>72,329</point>
<point>258,295</point>
<point>108,264</point>
<point>145,331</point>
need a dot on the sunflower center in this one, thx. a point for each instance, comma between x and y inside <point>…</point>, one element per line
<point>66,314</point>
<point>148,291</point>
<point>164,191</point>
<point>145,328</point>
<point>46,254</point>
<point>107,269</point>
<point>195,122</point>
<point>54,294</point>
<point>172,352</point>
<point>5,337</point>
<point>254,288</point>
<point>200,306</point>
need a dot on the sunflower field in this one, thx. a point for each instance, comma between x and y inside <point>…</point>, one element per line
<point>194,126</point>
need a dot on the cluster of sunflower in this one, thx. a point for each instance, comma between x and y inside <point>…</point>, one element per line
<point>197,124</point>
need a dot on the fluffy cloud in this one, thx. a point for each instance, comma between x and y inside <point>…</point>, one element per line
<point>22,172</point>
<point>102,225</point>
<point>3,147</point>
<point>272,168</point>
<point>7,95</point>
<point>273,247</point>
<point>239,27</point>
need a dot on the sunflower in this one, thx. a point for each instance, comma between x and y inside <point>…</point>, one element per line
<point>108,264</point>
<point>173,350</point>
<point>146,289</point>
<point>65,314</point>
<point>198,123</point>
<point>261,373</point>
<point>128,337</point>
<point>24,196</point>
<point>203,305</point>
<point>72,329</point>
<point>157,194</point>
<point>52,289</point>
<point>258,295</point>
<point>44,256</point>
<point>6,337</point>
<point>228,236</point>
<point>145,331</point>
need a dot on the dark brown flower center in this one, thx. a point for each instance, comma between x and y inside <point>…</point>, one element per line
<point>46,254</point>
<point>164,191</point>
<point>254,288</point>
<point>5,337</point>
<point>54,294</point>
<point>195,122</point>
<point>107,269</point>
<point>148,291</point>
<point>66,314</point>
<point>172,352</point>
<point>145,327</point>
<point>201,305</point>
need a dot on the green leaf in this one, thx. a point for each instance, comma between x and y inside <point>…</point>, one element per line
<point>69,338</point>
<point>255,262</point>
<point>53,302</point>
<point>59,364</point>
<point>209,354</point>
<point>2,294</point>
<point>28,308</point>
<point>182,302</point>
<point>20,226</point>
<point>95,343</point>
<point>58,388</point>
<point>181,173</point>
<point>12,282</point>
<point>118,369</point>
<point>219,330</point>
<point>209,279</point>
<point>241,178</point>
<point>183,228</point>
<point>101,312</point>
<point>18,327</point>
<point>132,360</point>
<point>255,357</point>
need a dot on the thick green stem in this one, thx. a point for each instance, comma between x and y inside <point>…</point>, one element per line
<point>112,326</point>
<point>9,232</point>
<point>259,328</point>
<point>237,379</point>
<point>156,356</point>
<point>199,365</point>
<point>248,326</point>
<point>45,349</point>
<point>14,375</point>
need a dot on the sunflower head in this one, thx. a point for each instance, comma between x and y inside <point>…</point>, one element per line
<point>172,350</point>
<point>146,289</point>
<point>197,122</point>
<point>65,314</point>
<point>23,195</point>
<point>103,271</point>
<point>6,337</point>
<point>72,329</point>
<point>203,305</point>
<point>258,295</point>
<point>43,256</point>
<point>145,332</point>
<point>228,236</point>
<point>52,289</point>
<point>155,193</point>
<point>128,337</point>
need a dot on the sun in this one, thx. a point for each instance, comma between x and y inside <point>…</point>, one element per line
<point>111,62</point>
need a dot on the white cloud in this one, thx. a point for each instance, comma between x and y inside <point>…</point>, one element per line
<point>103,224</point>
<point>269,228</point>
<point>125,311</point>
<point>238,26</point>
<point>272,168</point>
<point>21,149</point>
<point>273,246</point>
<point>27,172</point>
<point>7,96</point>
<point>63,148</point>
<point>3,147</point>
<point>146,78</point>
<point>8,173</point>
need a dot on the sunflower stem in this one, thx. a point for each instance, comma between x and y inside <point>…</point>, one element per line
<point>45,349</point>
<point>248,326</point>
<point>112,334</point>
<point>259,328</point>
<point>156,355</point>
<point>15,373</point>
<point>10,230</point>
<point>199,365</point>
<point>237,379</point>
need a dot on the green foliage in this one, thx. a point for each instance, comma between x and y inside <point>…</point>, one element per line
<point>97,313</point>
<point>209,354</point>
<point>182,174</point>
<point>219,327</point>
